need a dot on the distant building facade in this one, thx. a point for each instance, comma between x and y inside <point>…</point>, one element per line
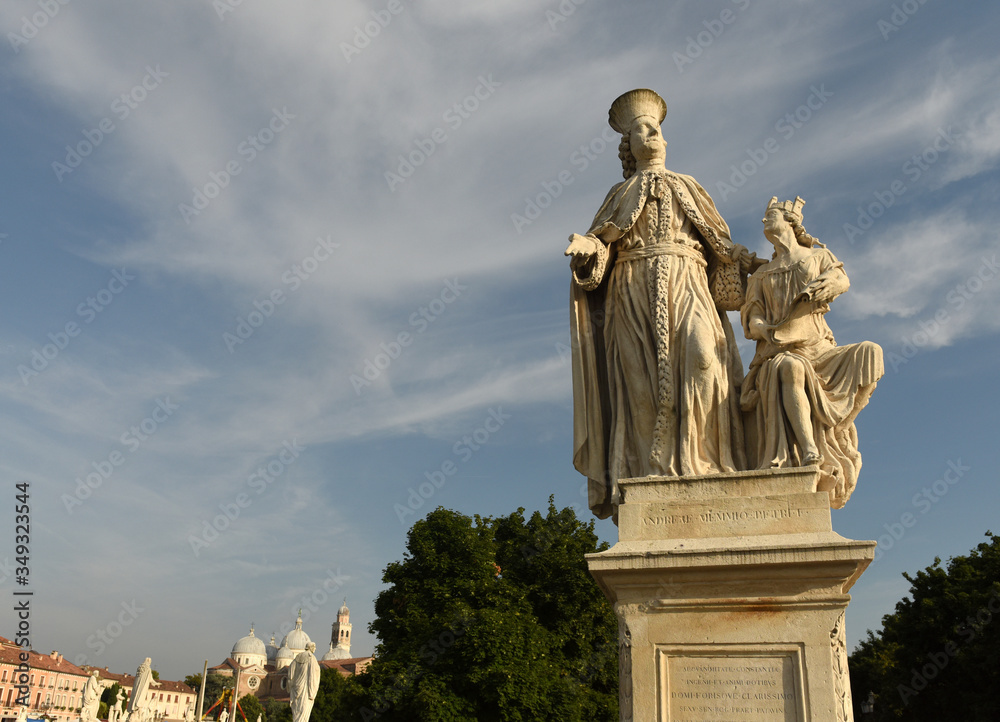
<point>55,685</point>
<point>55,688</point>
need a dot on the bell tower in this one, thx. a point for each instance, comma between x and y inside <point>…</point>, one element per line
<point>341,636</point>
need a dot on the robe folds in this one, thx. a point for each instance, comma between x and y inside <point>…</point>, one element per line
<point>656,372</point>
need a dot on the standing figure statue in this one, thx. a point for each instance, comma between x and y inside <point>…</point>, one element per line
<point>804,389</point>
<point>224,715</point>
<point>656,371</point>
<point>138,707</point>
<point>91,697</point>
<point>303,683</point>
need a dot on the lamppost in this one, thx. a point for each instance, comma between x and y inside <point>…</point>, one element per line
<point>868,706</point>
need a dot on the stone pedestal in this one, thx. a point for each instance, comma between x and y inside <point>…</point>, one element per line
<point>730,592</point>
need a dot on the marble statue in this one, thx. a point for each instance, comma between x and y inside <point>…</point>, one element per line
<point>803,388</point>
<point>91,698</point>
<point>22,714</point>
<point>303,683</point>
<point>138,707</point>
<point>656,371</point>
<point>112,713</point>
<point>224,715</point>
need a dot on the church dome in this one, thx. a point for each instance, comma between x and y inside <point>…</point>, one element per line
<point>336,653</point>
<point>296,639</point>
<point>344,609</point>
<point>283,658</point>
<point>272,651</point>
<point>249,645</point>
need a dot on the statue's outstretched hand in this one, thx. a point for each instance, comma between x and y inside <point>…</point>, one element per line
<point>581,248</point>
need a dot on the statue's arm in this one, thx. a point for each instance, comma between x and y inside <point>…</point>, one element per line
<point>589,255</point>
<point>832,282</point>
<point>755,325</point>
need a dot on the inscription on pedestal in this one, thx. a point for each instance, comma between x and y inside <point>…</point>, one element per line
<point>751,516</point>
<point>730,688</point>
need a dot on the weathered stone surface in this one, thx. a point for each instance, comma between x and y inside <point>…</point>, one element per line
<point>753,578</point>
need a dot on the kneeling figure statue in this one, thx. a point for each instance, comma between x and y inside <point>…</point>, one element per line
<point>804,390</point>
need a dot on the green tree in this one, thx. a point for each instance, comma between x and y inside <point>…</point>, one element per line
<point>193,681</point>
<point>215,685</point>
<point>276,710</point>
<point>252,707</point>
<point>108,696</point>
<point>493,619</point>
<point>339,698</point>
<point>937,657</point>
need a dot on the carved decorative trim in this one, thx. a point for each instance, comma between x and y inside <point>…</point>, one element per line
<point>625,661</point>
<point>841,680</point>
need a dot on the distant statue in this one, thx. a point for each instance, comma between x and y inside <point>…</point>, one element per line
<point>656,371</point>
<point>112,712</point>
<point>188,713</point>
<point>804,389</point>
<point>138,706</point>
<point>224,715</point>
<point>259,716</point>
<point>22,714</point>
<point>91,697</point>
<point>303,683</point>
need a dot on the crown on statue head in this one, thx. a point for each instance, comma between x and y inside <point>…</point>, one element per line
<point>634,104</point>
<point>793,208</point>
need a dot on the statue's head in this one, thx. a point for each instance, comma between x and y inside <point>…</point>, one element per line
<point>637,115</point>
<point>787,216</point>
<point>311,647</point>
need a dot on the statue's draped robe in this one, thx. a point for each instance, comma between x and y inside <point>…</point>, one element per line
<point>91,699</point>
<point>137,703</point>
<point>656,372</point>
<point>303,683</point>
<point>838,379</point>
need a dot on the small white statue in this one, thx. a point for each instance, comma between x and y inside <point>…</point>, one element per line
<point>138,707</point>
<point>303,683</point>
<point>91,698</point>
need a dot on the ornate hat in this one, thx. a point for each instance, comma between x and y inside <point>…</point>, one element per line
<point>629,106</point>
<point>793,208</point>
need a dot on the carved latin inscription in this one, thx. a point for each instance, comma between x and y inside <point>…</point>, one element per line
<point>752,688</point>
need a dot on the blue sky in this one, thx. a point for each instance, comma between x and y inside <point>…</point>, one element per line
<point>218,218</point>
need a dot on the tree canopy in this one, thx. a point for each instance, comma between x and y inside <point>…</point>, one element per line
<point>490,619</point>
<point>251,707</point>
<point>937,657</point>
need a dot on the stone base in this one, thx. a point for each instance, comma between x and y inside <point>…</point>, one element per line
<point>730,592</point>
